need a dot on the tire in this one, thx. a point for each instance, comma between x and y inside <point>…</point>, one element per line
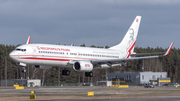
<point>86,74</point>
<point>90,74</point>
<point>63,72</point>
<point>67,72</point>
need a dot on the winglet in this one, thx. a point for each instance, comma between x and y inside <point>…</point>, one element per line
<point>169,49</point>
<point>28,40</point>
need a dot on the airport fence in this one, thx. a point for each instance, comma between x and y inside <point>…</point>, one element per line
<point>69,84</point>
<point>62,84</point>
<point>126,83</point>
<point>11,82</point>
<point>89,84</point>
<point>24,83</point>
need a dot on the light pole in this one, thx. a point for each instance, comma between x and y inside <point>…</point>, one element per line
<point>28,72</point>
<point>143,65</point>
<point>6,70</point>
<point>161,66</point>
<point>59,77</point>
<point>161,74</point>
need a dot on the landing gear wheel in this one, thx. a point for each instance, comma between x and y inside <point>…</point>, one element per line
<point>23,70</point>
<point>66,72</point>
<point>86,74</point>
<point>89,74</point>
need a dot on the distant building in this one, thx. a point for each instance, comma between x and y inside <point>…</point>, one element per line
<point>33,83</point>
<point>104,83</point>
<point>138,78</point>
<point>22,82</point>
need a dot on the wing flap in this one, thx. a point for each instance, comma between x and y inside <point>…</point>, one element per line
<point>140,54</point>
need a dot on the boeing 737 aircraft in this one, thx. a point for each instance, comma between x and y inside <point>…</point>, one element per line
<point>82,59</point>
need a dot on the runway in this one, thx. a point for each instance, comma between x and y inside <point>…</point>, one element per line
<point>96,90</point>
<point>126,99</point>
<point>101,93</point>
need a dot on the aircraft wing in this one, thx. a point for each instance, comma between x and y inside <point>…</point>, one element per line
<point>116,61</point>
<point>140,54</point>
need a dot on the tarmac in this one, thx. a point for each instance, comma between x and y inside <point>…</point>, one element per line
<point>125,99</point>
<point>133,93</point>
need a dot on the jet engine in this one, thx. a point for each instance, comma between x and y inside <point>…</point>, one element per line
<point>21,64</point>
<point>42,67</point>
<point>86,66</point>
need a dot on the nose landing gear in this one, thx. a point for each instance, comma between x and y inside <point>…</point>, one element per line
<point>67,73</point>
<point>23,70</point>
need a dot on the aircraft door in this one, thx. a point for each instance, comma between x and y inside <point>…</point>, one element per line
<point>34,51</point>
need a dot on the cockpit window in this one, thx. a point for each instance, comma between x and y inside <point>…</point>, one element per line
<point>18,49</point>
<point>23,50</point>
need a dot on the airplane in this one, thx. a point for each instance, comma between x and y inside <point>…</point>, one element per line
<point>82,59</point>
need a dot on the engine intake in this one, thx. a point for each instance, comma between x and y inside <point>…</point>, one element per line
<point>86,66</point>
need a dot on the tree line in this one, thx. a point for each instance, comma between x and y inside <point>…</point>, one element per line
<point>169,64</point>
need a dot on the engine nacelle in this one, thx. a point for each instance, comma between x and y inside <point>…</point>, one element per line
<point>86,66</point>
<point>42,67</point>
<point>22,64</point>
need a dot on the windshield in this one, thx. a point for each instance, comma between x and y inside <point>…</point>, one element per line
<point>18,49</point>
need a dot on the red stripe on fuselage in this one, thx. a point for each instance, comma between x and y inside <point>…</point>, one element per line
<point>51,59</point>
<point>44,56</point>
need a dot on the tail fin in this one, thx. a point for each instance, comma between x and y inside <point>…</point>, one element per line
<point>28,40</point>
<point>129,40</point>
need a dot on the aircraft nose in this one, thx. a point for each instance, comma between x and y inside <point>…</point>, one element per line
<point>11,55</point>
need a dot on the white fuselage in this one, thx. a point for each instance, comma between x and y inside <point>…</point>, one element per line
<point>59,55</point>
<point>84,59</point>
<point>80,58</point>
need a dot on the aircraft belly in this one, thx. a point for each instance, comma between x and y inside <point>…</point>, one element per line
<point>55,63</point>
<point>104,66</point>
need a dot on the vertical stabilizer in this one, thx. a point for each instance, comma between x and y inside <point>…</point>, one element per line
<point>129,40</point>
<point>28,40</point>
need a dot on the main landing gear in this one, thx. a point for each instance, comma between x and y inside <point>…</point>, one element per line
<point>66,72</point>
<point>89,74</point>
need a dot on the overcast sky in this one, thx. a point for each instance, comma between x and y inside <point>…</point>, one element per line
<point>92,22</point>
